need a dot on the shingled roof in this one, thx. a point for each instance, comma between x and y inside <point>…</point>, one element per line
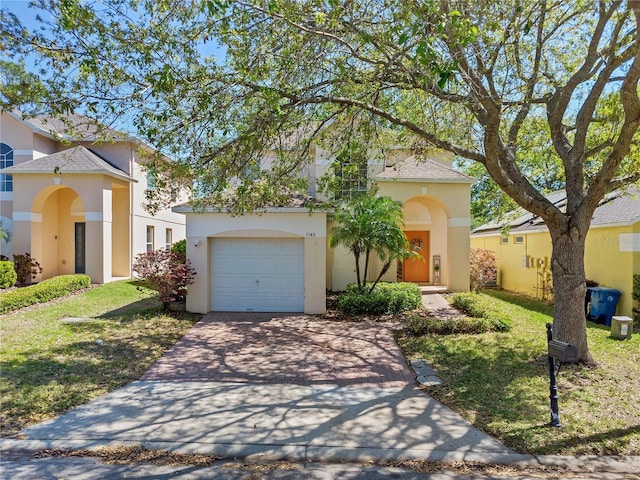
<point>77,160</point>
<point>414,169</point>
<point>74,127</point>
<point>621,207</point>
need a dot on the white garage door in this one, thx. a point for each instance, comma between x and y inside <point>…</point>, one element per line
<point>257,274</point>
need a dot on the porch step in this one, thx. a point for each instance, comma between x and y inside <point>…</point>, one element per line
<point>431,289</point>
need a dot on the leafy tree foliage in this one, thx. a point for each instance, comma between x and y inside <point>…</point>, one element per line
<point>20,89</point>
<point>455,75</point>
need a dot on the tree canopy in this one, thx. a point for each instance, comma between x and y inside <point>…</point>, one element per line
<point>218,83</point>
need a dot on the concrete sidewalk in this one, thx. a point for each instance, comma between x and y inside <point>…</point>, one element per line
<point>270,422</point>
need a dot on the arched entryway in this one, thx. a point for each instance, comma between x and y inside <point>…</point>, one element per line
<point>426,231</point>
<point>58,240</point>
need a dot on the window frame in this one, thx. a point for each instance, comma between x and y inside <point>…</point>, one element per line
<point>355,184</point>
<point>6,160</point>
<point>168,239</point>
<point>150,243</point>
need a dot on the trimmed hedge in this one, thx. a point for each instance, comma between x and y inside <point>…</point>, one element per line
<point>44,291</point>
<point>417,326</point>
<point>482,307</point>
<point>8,275</point>
<point>386,299</point>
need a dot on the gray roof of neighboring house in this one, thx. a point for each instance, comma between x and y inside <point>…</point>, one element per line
<point>74,160</point>
<point>621,207</point>
<point>76,128</point>
<point>422,170</point>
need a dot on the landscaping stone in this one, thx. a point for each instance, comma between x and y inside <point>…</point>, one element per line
<point>429,380</point>
<point>426,375</point>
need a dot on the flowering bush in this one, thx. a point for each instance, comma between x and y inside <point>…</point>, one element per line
<point>167,272</point>
<point>26,268</point>
<point>482,268</point>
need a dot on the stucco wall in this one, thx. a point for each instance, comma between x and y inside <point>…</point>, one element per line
<point>449,208</point>
<point>203,228</point>
<point>519,265</point>
<point>160,222</point>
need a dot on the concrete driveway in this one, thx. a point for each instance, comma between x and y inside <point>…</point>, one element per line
<point>273,386</point>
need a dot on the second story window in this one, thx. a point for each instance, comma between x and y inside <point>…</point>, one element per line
<point>6,160</point>
<point>151,180</point>
<point>352,179</point>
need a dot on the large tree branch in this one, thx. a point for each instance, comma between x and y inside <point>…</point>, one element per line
<point>630,101</point>
<point>532,81</point>
<point>411,126</point>
<point>559,102</point>
<point>586,111</point>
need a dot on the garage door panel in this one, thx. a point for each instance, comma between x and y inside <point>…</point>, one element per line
<point>265,266</point>
<point>263,274</point>
<point>245,264</point>
<point>228,302</point>
<point>226,265</point>
<point>289,264</point>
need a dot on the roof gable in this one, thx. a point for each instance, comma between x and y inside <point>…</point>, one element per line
<point>423,170</point>
<point>76,160</point>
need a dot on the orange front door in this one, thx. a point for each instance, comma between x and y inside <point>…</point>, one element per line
<point>417,270</point>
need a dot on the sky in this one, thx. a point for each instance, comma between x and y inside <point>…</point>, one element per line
<point>21,8</point>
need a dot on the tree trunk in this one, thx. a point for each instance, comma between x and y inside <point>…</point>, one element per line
<point>356,254</point>
<point>569,287</point>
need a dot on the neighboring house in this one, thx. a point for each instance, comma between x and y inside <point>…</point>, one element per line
<point>612,250</point>
<point>76,203</point>
<point>279,260</point>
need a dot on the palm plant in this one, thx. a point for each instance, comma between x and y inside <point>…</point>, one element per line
<point>5,235</point>
<point>371,224</point>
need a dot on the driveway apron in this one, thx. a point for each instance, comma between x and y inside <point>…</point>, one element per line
<point>276,386</point>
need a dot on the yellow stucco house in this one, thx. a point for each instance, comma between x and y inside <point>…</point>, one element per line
<point>612,250</point>
<point>75,203</point>
<point>279,260</point>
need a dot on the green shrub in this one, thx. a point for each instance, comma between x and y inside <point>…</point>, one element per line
<point>479,307</point>
<point>180,247</point>
<point>8,275</point>
<point>42,292</point>
<point>386,298</point>
<point>417,326</point>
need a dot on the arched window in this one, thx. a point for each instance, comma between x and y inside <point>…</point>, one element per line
<point>6,160</point>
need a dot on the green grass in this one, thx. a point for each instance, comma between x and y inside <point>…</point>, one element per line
<point>48,366</point>
<point>500,382</point>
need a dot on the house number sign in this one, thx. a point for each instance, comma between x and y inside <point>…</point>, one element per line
<point>311,234</point>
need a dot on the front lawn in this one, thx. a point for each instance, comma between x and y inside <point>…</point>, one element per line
<point>500,382</point>
<point>70,351</point>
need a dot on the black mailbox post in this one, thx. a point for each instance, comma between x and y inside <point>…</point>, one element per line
<point>561,352</point>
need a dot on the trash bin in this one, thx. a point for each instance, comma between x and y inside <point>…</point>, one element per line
<point>603,304</point>
<point>621,327</point>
